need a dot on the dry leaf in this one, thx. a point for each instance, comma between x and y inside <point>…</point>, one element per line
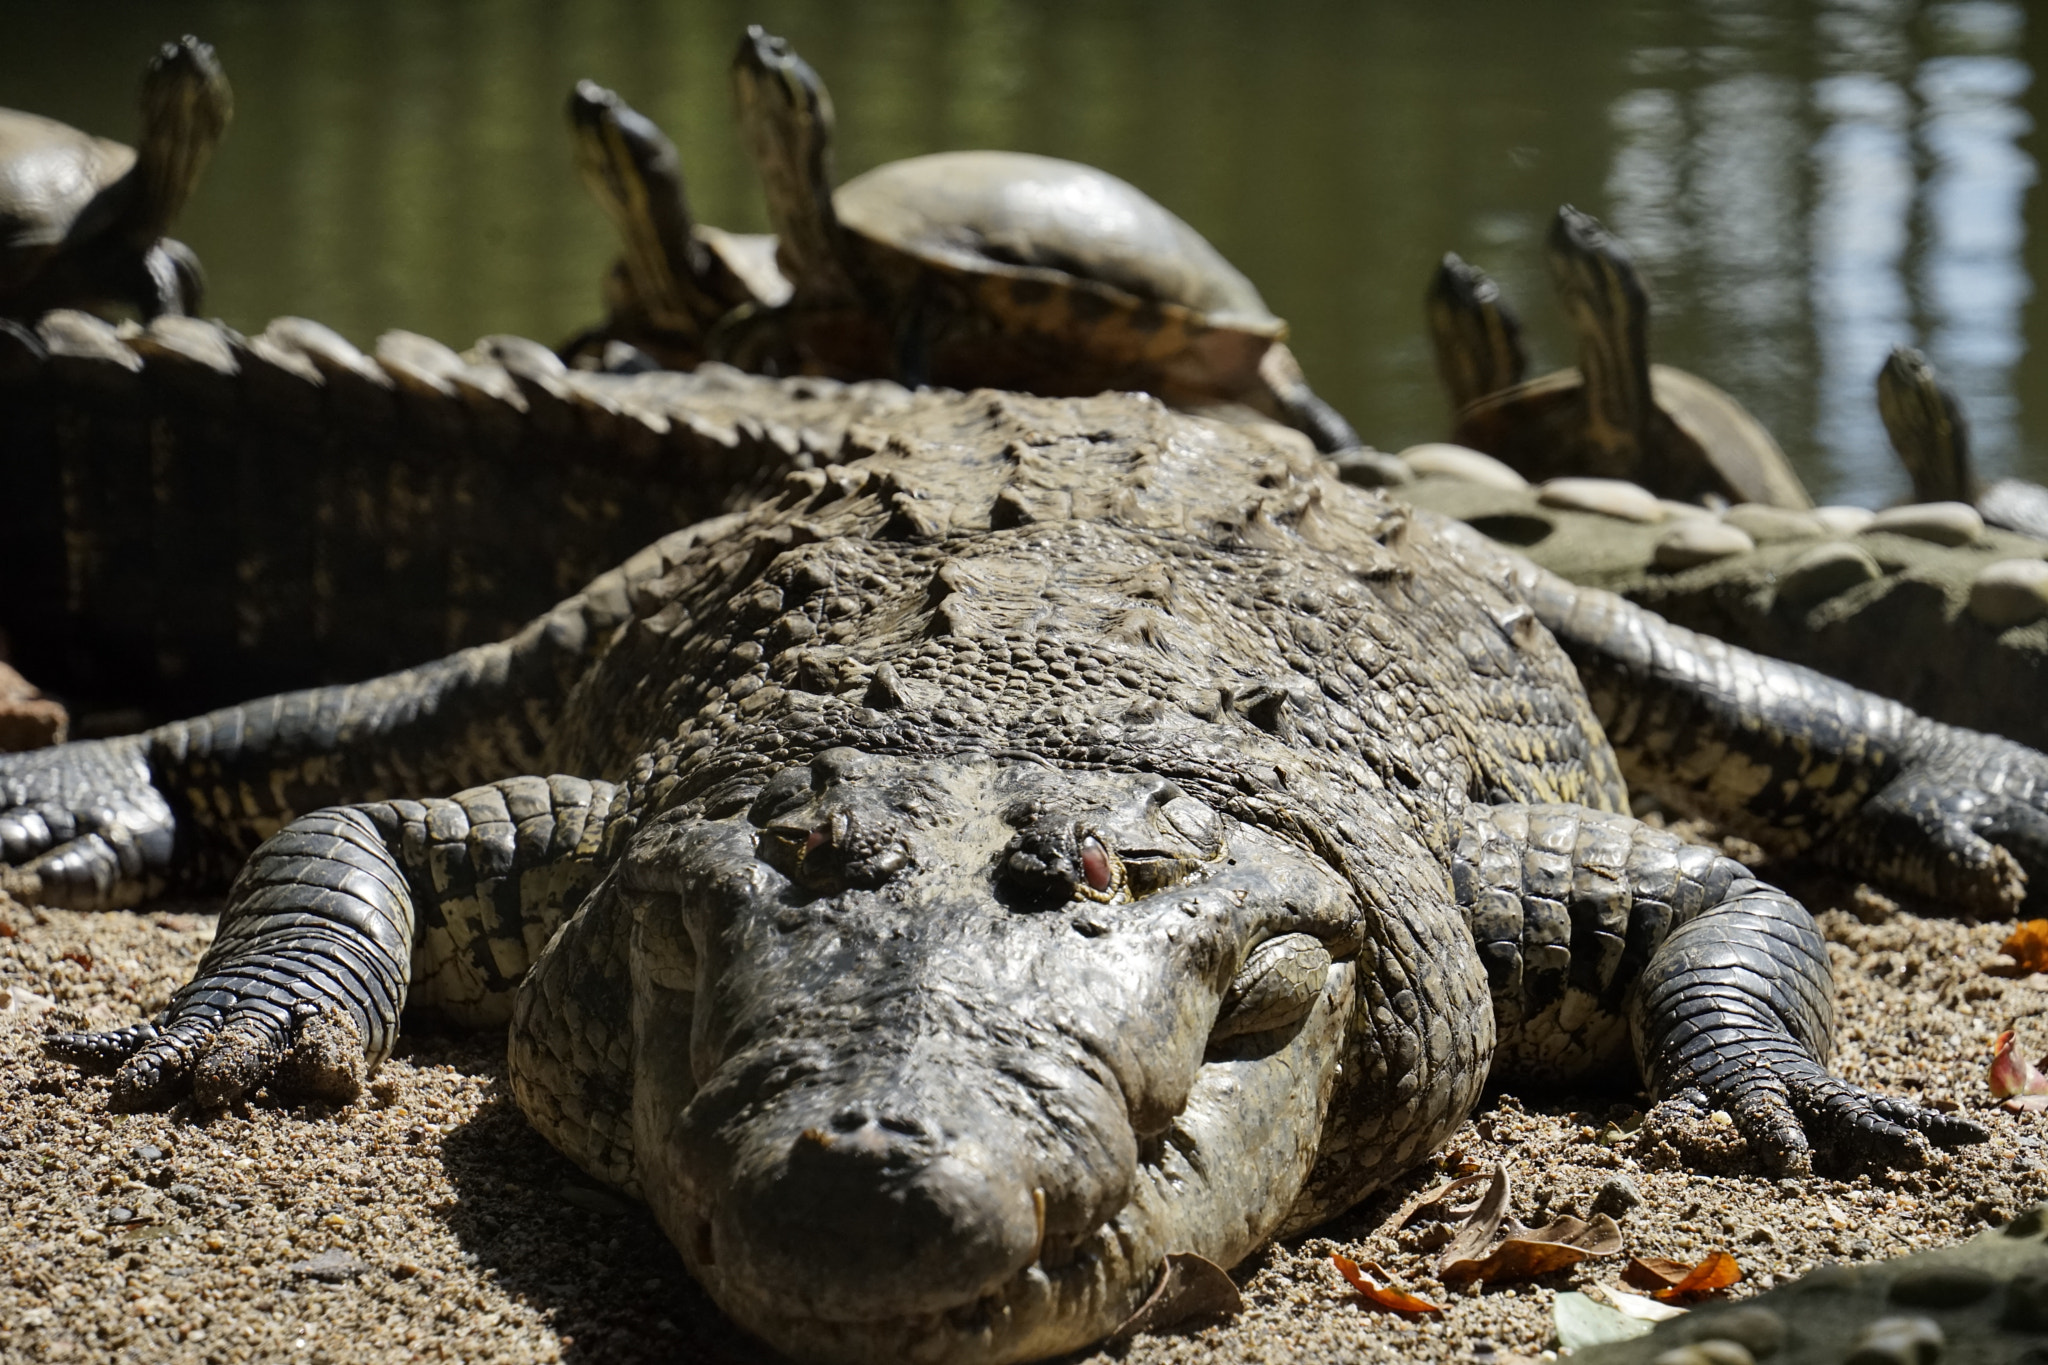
<point>1673,1281</point>
<point>1480,1230</point>
<point>2027,945</point>
<point>2011,1076</point>
<point>1190,1286</point>
<point>1437,1203</point>
<point>1526,1252</point>
<point>1529,1252</point>
<point>1373,1283</point>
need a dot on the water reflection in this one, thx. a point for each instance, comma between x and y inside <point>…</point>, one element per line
<point>1806,183</point>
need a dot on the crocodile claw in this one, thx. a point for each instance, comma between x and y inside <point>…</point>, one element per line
<point>307,1052</point>
<point>82,825</point>
<point>1795,1113</point>
<point>1966,822</point>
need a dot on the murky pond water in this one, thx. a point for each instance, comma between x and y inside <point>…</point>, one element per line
<point>1806,182</point>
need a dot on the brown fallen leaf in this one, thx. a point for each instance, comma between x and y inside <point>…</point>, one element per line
<point>1190,1286</point>
<point>1373,1283</point>
<point>2027,945</point>
<point>1525,1252</point>
<point>1672,1281</point>
<point>1439,1203</point>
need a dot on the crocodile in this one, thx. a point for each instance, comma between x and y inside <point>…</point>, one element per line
<point>1837,591</point>
<point>402,494</point>
<point>1069,835</point>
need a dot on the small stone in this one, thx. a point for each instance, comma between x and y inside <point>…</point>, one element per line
<point>1769,525</point>
<point>331,1267</point>
<point>1699,540</point>
<point>1941,1286</point>
<point>1898,1341</point>
<point>147,1154</point>
<point>1616,1196</point>
<point>2012,592</point>
<point>1616,498</point>
<point>1944,523</point>
<point>1824,571</point>
<point>1441,459</point>
<point>1841,520</point>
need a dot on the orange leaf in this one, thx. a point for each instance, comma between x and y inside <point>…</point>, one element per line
<point>1370,1281</point>
<point>2028,945</point>
<point>2009,1075</point>
<point>1654,1272</point>
<point>1717,1271</point>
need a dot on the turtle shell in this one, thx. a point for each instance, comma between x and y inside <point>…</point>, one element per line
<point>1035,273</point>
<point>1700,440</point>
<point>49,173</point>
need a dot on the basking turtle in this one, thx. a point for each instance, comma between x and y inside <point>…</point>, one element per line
<point>1616,414</point>
<point>1476,336</point>
<point>996,269</point>
<point>1932,437</point>
<point>677,277</point>
<point>82,219</point>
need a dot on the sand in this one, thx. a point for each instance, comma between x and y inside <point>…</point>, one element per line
<point>427,1222</point>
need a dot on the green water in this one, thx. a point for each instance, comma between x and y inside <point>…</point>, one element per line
<point>1805,183</point>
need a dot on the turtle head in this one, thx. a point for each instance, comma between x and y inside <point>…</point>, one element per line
<point>1927,427</point>
<point>970,1047</point>
<point>186,106</point>
<point>632,170</point>
<point>785,117</point>
<point>1596,281</point>
<point>1477,336</point>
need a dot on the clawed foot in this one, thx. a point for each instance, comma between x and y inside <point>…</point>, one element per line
<point>303,1051</point>
<point>1966,823</point>
<point>1790,1120</point>
<point>82,826</point>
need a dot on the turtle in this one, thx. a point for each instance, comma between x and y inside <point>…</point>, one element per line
<point>1932,438</point>
<point>996,269</point>
<point>82,218</point>
<point>1616,415</point>
<point>676,277</point>
<point>1476,335</point>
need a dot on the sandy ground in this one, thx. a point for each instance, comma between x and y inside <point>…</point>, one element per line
<point>426,1221</point>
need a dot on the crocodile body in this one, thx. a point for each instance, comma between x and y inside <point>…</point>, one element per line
<point>244,515</point>
<point>1068,835</point>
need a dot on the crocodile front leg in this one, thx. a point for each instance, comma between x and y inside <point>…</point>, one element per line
<point>345,913</point>
<point>103,824</point>
<point>1597,929</point>
<point>1796,761</point>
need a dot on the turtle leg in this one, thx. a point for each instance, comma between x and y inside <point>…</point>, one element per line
<point>1296,404</point>
<point>1596,929</point>
<point>1798,762</point>
<point>106,823</point>
<point>341,915</point>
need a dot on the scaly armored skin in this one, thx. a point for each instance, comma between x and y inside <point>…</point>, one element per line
<point>1070,835</point>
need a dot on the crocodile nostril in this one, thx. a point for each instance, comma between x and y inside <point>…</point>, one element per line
<point>907,1127</point>
<point>849,1121</point>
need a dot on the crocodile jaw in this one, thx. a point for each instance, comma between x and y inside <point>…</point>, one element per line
<point>1219,1184</point>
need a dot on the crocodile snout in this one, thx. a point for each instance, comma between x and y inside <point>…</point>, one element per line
<point>877,1213</point>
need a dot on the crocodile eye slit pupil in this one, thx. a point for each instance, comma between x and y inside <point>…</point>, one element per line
<point>1095,864</point>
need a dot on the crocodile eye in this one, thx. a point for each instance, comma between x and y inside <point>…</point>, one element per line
<point>786,849</point>
<point>1095,864</point>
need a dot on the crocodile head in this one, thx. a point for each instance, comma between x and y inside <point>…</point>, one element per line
<point>971,1048</point>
